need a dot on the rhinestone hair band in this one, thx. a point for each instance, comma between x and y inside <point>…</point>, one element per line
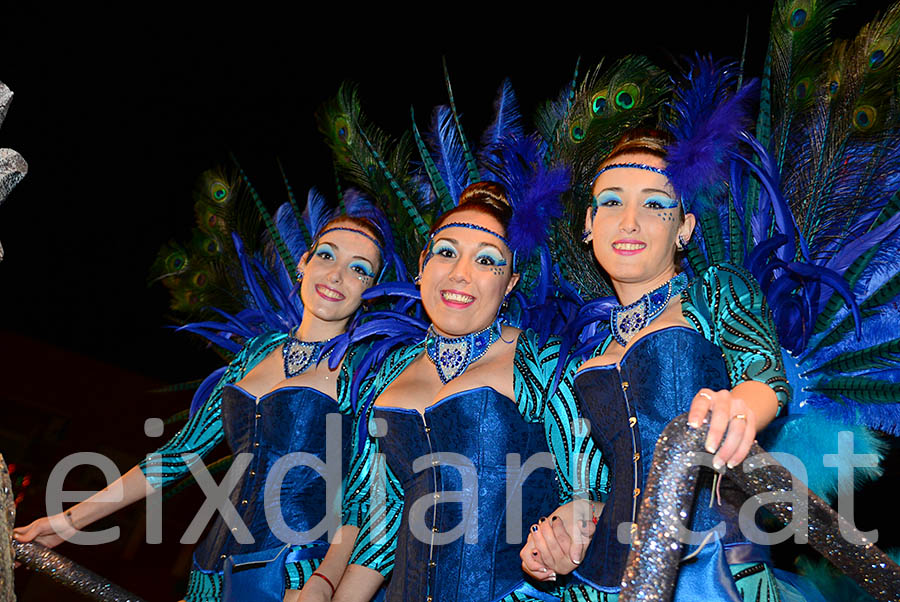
<point>429,254</point>
<point>361,233</point>
<point>643,166</point>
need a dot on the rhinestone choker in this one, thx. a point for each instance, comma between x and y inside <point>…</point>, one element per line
<point>300,355</point>
<point>451,356</point>
<point>626,321</point>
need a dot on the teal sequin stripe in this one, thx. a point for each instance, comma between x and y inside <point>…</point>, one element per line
<point>203,431</point>
<point>298,573</point>
<point>204,587</point>
<point>729,309</point>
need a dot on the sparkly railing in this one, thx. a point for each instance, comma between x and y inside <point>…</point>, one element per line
<point>44,560</point>
<point>655,552</point>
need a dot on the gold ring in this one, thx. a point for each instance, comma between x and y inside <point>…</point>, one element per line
<point>739,417</point>
<point>706,395</point>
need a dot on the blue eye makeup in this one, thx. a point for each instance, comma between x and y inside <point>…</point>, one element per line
<point>443,249</point>
<point>325,251</point>
<point>490,257</point>
<point>607,198</point>
<point>363,268</point>
<point>660,202</point>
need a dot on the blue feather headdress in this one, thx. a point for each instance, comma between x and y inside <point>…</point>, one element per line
<point>706,120</point>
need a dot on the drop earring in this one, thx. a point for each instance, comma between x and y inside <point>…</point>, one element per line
<point>418,279</point>
<point>585,235</point>
<point>299,276</point>
<point>681,244</point>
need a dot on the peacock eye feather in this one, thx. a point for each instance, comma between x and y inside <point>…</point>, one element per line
<point>200,279</point>
<point>801,90</point>
<point>218,191</point>
<point>342,129</point>
<point>864,117</point>
<point>876,59</point>
<point>628,96</point>
<point>798,19</point>
<point>598,104</point>
<point>577,132</point>
<point>833,87</point>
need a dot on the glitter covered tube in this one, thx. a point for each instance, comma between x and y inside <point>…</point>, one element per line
<point>7,520</point>
<point>669,494</point>
<point>70,574</point>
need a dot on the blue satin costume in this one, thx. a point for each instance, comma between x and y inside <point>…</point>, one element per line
<point>418,490</point>
<point>286,420</point>
<point>731,341</point>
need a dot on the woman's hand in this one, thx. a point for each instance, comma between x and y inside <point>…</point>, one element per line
<point>49,531</point>
<point>556,545</point>
<point>729,417</point>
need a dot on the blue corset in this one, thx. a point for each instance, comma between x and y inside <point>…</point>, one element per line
<point>482,562</point>
<point>286,420</point>
<point>628,409</point>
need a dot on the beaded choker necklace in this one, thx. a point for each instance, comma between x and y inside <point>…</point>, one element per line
<point>300,355</point>
<point>451,356</point>
<point>626,321</point>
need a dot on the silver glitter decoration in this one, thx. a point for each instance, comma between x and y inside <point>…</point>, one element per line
<point>12,166</point>
<point>70,574</point>
<point>7,521</point>
<point>668,496</point>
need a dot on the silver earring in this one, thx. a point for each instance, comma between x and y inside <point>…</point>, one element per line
<point>681,244</point>
<point>585,234</point>
<point>417,279</point>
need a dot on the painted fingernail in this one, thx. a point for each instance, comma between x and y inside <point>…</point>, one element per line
<point>693,424</point>
<point>542,569</point>
<point>576,562</point>
<point>555,518</point>
<point>534,528</point>
<point>710,447</point>
<point>731,464</point>
<point>718,464</point>
<point>542,519</point>
<point>534,552</point>
<point>552,577</point>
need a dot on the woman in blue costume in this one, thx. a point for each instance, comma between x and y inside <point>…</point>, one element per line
<point>707,347</point>
<point>441,517</point>
<point>274,399</point>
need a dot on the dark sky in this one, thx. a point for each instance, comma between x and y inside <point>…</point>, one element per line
<point>117,112</point>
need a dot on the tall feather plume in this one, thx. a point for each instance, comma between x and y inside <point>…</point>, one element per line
<point>507,121</point>
<point>378,165</point>
<point>706,120</point>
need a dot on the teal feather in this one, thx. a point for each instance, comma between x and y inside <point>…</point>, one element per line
<point>445,199</point>
<point>711,231</point>
<point>283,252</point>
<point>474,175</point>
<point>808,437</point>
<point>855,270</point>
<point>411,209</point>
<point>878,357</point>
<point>858,388</point>
<point>298,215</point>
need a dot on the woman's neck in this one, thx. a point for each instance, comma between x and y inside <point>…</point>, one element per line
<point>629,292</point>
<point>315,329</point>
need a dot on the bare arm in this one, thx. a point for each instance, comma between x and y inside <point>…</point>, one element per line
<point>358,585</point>
<point>50,531</point>
<point>332,568</point>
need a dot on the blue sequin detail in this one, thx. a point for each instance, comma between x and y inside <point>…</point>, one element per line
<point>643,166</point>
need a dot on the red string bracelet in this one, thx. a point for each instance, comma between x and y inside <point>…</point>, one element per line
<point>327,580</point>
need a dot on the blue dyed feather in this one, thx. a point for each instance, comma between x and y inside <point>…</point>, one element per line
<point>507,120</point>
<point>447,146</point>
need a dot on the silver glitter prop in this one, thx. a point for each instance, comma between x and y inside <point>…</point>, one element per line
<point>70,574</point>
<point>7,521</point>
<point>668,498</point>
<point>12,166</point>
